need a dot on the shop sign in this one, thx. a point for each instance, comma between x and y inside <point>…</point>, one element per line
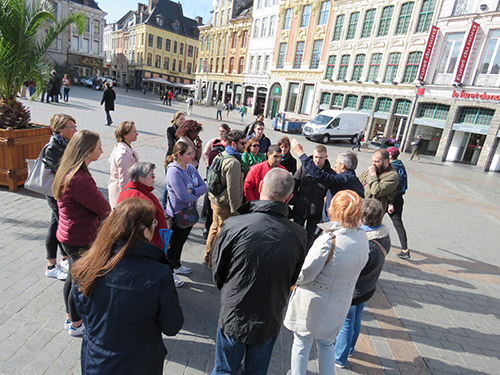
<point>427,53</point>
<point>475,95</point>
<point>430,122</point>
<point>468,128</point>
<point>466,51</point>
<point>84,61</point>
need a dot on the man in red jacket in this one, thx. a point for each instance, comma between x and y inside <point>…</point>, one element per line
<point>257,172</point>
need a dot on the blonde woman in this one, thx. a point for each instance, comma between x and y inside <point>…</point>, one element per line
<point>81,206</point>
<point>121,159</point>
<point>322,297</point>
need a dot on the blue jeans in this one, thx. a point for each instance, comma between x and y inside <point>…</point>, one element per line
<point>231,355</point>
<point>301,349</point>
<point>348,335</point>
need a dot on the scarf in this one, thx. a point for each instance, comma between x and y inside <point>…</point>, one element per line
<point>60,139</point>
<point>231,151</point>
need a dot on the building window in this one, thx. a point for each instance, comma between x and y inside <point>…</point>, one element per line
<point>306,14</point>
<point>190,51</point>
<point>366,103</point>
<point>425,16</point>
<point>337,100</point>
<point>180,66</point>
<point>86,45</point>
<point>235,40</point>
<point>149,60</point>
<point>181,49</point>
<point>231,65</point>
<point>217,65</point>
<point>75,43</point>
<point>411,68</point>
<point>241,65</point>
<point>374,67</point>
<point>366,32</point>
<point>325,98</point>
<point>392,66</point>
<point>287,22</point>
<point>491,59</point>
<point>257,66</point>
<point>330,65</point>
<point>299,52</point>
<point>211,65</point>
<point>251,64</point>
<point>464,7</point>
<point>385,21</point>
<point>272,22</point>
<point>157,61</point>
<point>293,90</point>
<point>97,28</point>
<point>324,12</point>
<point>95,47</point>
<point>208,42</point>
<point>383,105</point>
<point>175,46</point>
<point>339,23</point>
<point>404,18</point>
<point>281,56</point>
<point>205,66</point>
<point>433,111</point>
<point>266,63</point>
<point>353,24</point>
<point>263,30</point>
<point>244,39</point>
<point>402,107</point>
<point>451,51</point>
<point>166,63</point>
<point>150,40</point>
<point>307,99</point>
<point>159,42</point>
<point>316,54</point>
<point>475,116</point>
<point>256,27</point>
<point>359,62</point>
<point>168,44</point>
<point>344,65</point>
<point>189,68</point>
<point>222,18</point>
<point>351,101</point>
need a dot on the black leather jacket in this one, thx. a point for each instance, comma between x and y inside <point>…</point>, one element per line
<point>53,154</point>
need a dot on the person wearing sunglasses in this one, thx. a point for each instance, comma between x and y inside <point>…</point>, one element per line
<point>252,155</point>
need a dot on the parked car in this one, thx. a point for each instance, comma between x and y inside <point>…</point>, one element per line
<point>336,125</point>
<point>87,82</point>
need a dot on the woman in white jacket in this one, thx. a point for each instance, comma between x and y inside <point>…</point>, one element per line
<point>121,159</point>
<point>322,297</point>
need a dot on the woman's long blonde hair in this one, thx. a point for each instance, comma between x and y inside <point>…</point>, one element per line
<point>73,160</point>
<point>124,227</point>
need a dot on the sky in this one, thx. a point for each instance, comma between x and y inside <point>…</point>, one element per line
<point>116,9</point>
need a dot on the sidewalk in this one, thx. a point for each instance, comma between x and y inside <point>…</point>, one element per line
<point>437,313</point>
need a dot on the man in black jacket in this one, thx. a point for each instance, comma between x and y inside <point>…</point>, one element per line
<point>108,98</point>
<point>256,259</point>
<point>309,194</point>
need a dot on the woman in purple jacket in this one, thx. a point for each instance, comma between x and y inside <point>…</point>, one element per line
<point>185,186</point>
<point>81,205</point>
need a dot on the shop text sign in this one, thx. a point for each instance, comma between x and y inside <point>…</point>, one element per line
<point>475,95</point>
<point>466,52</point>
<point>428,52</point>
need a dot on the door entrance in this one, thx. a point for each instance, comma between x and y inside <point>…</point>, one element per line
<point>471,147</point>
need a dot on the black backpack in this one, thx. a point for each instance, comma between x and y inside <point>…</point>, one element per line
<point>215,184</point>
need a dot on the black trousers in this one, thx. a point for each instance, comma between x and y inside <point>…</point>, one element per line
<point>51,242</point>
<point>74,253</point>
<point>207,212</point>
<point>108,117</point>
<point>397,220</point>
<point>177,241</point>
<point>311,228</point>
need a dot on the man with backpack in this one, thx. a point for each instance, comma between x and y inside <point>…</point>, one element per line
<point>225,187</point>
<point>395,208</point>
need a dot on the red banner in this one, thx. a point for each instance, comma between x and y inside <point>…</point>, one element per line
<point>428,52</point>
<point>466,52</point>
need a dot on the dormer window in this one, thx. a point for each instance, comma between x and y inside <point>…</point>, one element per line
<point>176,25</point>
<point>159,20</point>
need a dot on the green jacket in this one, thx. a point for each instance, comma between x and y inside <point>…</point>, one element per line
<point>383,187</point>
<point>248,160</point>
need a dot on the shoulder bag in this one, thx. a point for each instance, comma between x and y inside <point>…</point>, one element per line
<point>40,178</point>
<point>186,217</point>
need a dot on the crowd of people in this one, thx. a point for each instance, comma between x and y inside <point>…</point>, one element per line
<point>293,237</point>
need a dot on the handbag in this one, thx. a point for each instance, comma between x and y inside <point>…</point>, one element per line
<point>40,178</point>
<point>186,217</point>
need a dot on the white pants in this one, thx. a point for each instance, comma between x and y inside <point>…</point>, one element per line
<point>300,355</point>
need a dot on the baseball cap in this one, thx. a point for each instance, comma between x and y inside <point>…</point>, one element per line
<point>393,151</point>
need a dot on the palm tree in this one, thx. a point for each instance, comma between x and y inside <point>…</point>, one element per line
<point>22,52</point>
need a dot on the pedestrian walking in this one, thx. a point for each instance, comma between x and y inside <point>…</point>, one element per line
<point>145,88</point>
<point>360,138</point>
<point>126,86</point>
<point>55,86</point>
<point>229,108</point>
<point>190,103</point>
<point>417,145</point>
<point>243,111</point>
<point>126,296</point>
<point>66,82</point>
<point>108,98</point>
<point>170,97</point>
<point>395,208</point>
<point>220,108</point>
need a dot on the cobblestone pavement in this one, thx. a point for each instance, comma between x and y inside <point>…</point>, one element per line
<point>437,313</point>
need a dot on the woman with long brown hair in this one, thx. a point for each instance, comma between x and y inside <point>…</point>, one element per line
<point>81,205</point>
<point>125,294</point>
<point>188,132</point>
<point>322,297</point>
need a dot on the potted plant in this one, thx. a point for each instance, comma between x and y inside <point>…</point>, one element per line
<point>22,58</point>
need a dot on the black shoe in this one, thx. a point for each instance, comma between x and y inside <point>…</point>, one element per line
<point>404,254</point>
<point>205,233</point>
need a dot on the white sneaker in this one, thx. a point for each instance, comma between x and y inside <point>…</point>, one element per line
<point>76,331</point>
<point>56,273</point>
<point>64,265</point>
<point>178,282</point>
<point>182,270</point>
<point>62,275</point>
<point>67,324</point>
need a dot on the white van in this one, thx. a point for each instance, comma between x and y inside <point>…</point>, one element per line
<point>335,124</point>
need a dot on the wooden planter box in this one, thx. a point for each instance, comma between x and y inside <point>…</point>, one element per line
<point>15,147</point>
